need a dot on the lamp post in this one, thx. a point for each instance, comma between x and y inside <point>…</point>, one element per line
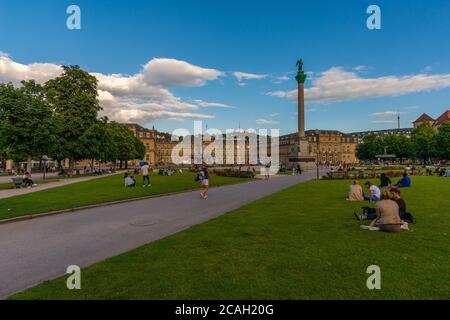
<point>45,160</point>
<point>317,153</point>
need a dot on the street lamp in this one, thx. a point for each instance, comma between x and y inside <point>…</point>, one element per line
<point>317,153</point>
<point>45,160</point>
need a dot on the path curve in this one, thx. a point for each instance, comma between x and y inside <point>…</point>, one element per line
<point>35,251</point>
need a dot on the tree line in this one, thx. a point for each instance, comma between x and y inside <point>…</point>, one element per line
<point>60,119</point>
<point>426,144</point>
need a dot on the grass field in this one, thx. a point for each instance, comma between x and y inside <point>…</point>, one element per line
<point>301,243</point>
<point>98,191</point>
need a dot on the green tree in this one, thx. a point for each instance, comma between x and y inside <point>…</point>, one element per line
<point>422,142</point>
<point>26,121</point>
<point>442,142</point>
<point>128,146</point>
<point>371,146</point>
<point>73,97</point>
<point>98,143</point>
<point>397,144</point>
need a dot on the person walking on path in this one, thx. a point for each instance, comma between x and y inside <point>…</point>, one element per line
<point>205,182</point>
<point>145,173</point>
<point>267,173</point>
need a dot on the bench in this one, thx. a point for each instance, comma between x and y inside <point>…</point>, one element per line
<point>18,182</point>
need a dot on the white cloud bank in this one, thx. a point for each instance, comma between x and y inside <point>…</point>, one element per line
<point>387,114</point>
<point>337,85</point>
<point>266,122</point>
<point>140,98</point>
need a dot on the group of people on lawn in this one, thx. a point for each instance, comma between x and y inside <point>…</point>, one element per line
<point>202,176</point>
<point>390,212</point>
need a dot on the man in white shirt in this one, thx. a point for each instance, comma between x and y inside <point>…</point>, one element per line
<point>374,192</point>
<point>145,173</point>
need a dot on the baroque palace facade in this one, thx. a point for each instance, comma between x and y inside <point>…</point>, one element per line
<point>332,147</point>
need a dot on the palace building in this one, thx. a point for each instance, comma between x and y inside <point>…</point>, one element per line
<point>329,147</point>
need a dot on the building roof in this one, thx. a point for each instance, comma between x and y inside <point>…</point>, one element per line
<point>424,118</point>
<point>443,118</point>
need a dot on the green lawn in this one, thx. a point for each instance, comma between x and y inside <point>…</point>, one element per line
<point>98,191</point>
<point>302,243</point>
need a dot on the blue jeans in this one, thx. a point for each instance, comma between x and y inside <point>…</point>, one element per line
<point>371,198</point>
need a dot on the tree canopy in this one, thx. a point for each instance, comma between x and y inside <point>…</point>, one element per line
<point>60,119</point>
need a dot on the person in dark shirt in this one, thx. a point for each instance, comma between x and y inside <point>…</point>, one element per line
<point>397,197</point>
<point>385,181</point>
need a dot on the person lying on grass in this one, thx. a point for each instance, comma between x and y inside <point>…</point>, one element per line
<point>388,219</point>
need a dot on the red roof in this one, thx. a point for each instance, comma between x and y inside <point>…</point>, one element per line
<point>424,118</point>
<point>443,118</point>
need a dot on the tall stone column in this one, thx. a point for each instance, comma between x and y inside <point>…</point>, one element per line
<point>301,110</point>
<point>304,157</point>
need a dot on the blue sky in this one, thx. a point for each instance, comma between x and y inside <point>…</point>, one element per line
<point>403,62</point>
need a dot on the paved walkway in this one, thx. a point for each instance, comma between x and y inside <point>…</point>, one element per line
<point>7,179</point>
<point>63,182</point>
<point>35,251</point>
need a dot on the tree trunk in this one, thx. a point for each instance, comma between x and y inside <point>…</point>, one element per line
<point>71,166</point>
<point>29,164</point>
<point>92,165</point>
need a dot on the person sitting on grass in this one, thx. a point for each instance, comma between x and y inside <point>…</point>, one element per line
<point>130,181</point>
<point>404,182</point>
<point>356,192</point>
<point>388,219</point>
<point>396,195</point>
<point>385,181</point>
<point>374,192</point>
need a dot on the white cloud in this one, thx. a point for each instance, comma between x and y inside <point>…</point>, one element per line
<point>205,104</point>
<point>266,122</point>
<point>273,115</point>
<point>14,72</point>
<point>240,76</point>
<point>387,114</point>
<point>383,121</point>
<point>140,98</point>
<point>361,68</point>
<point>175,73</point>
<point>412,108</point>
<point>283,78</point>
<point>337,85</point>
